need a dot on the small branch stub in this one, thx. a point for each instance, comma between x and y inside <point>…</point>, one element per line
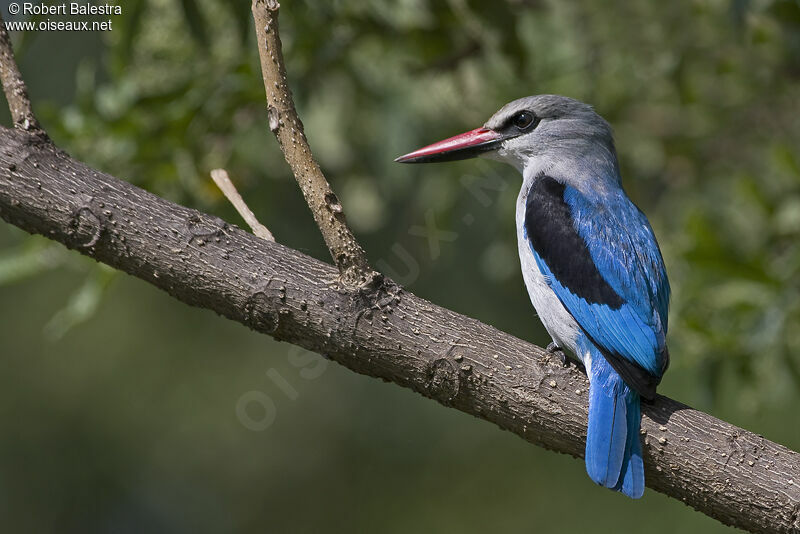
<point>350,258</point>
<point>220,177</point>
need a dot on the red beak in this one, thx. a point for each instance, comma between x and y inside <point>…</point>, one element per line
<point>466,145</point>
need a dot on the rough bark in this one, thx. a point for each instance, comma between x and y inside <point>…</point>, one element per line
<point>347,253</point>
<point>384,331</point>
<point>14,86</point>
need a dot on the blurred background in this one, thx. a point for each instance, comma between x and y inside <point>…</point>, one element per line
<point>123,410</point>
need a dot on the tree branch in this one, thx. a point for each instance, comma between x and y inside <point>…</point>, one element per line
<point>384,331</point>
<point>348,255</point>
<point>371,325</point>
<point>14,87</point>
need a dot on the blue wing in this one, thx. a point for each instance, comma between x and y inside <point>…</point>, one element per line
<point>602,261</point>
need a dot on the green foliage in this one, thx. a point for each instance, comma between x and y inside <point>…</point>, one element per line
<point>703,96</point>
<point>82,304</point>
<point>32,257</point>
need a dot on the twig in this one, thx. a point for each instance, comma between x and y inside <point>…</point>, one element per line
<point>14,87</point>
<point>220,177</point>
<point>350,258</point>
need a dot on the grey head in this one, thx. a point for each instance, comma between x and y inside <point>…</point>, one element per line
<point>546,131</point>
<point>542,133</point>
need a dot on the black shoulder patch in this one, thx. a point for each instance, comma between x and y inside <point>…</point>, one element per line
<point>548,224</point>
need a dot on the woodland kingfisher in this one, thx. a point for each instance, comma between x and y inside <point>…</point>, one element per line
<point>590,261</point>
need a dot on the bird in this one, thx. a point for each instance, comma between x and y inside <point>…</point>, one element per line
<point>590,261</point>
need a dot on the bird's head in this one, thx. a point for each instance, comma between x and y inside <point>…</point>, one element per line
<point>542,132</point>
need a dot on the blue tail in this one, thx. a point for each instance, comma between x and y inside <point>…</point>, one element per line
<point>613,449</point>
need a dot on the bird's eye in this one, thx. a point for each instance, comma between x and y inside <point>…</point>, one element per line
<point>523,120</point>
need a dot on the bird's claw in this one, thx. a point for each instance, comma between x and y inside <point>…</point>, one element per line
<point>558,353</point>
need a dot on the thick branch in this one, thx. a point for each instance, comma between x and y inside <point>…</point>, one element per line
<point>382,330</point>
<point>348,255</point>
<point>14,87</point>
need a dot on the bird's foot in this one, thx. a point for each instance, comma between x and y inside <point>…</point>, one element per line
<point>556,352</point>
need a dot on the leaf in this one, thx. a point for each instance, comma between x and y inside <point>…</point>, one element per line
<point>82,305</point>
<point>132,24</point>
<point>29,260</point>
<point>243,16</point>
<point>197,24</point>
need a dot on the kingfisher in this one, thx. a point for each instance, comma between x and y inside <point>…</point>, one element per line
<point>590,261</point>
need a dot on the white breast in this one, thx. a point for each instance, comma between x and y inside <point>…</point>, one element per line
<point>556,319</point>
